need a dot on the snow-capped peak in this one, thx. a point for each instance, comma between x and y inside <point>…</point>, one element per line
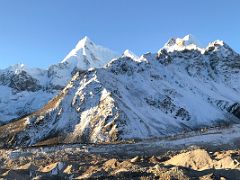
<point>188,39</point>
<point>217,43</point>
<point>178,44</point>
<point>130,54</point>
<point>17,68</point>
<point>87,55</point>
<point>85,42</point>
<point>221,47</point>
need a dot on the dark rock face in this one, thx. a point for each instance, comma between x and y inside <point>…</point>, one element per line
<point>235,109</point>
<point>163,57</point>
<point>183,114</point>
<point>21,81</point>
<point>123,67</point>
<point>24,82</point>
<point>166,104</point>
<point>4,79</point>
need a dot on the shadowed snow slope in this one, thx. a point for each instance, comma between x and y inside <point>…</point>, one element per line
<point>160,94</point>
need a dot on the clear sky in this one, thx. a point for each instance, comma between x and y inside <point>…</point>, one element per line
<point>39,33</point>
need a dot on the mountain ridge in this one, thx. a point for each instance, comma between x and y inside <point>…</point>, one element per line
<point>162,93</point>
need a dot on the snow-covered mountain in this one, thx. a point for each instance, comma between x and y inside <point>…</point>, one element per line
<point>87,54</point>
<point>24,90</point>
<point>130,54</point>
<point>179,44</point>
<point>180,88</point>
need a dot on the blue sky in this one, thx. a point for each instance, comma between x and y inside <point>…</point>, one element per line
<point>39,33</point>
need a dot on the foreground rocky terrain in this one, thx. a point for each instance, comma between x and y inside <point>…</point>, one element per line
<point>191,163</point>
<point>211,154</point>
